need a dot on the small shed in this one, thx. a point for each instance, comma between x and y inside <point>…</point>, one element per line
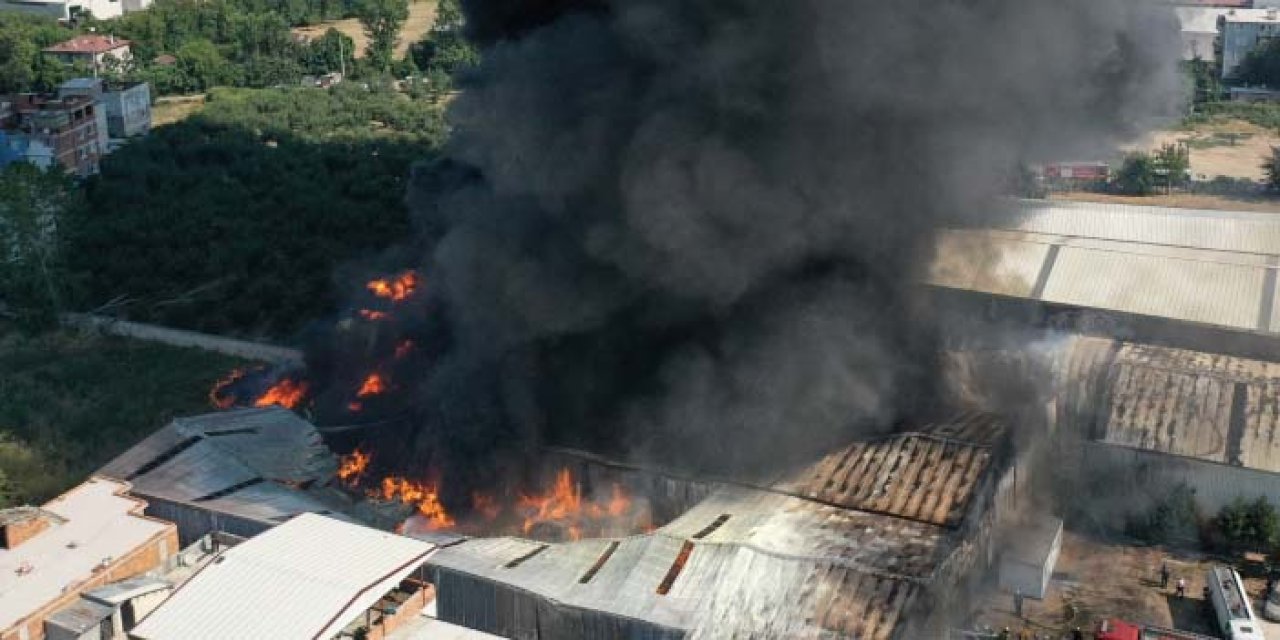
<point>1030,556</point>
<point>81,620</point>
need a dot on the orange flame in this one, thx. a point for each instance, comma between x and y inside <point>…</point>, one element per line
<point>394,289</point>
<point>373,385</point>
<point>425,497</point>
<point>373,316</point>
<point>216,397</point>
<point>403,349</point>
<point>287,393</point>
<point>485,505</point>
<point>354,407</point>
<point>563,505</point>
<point>352,466</point>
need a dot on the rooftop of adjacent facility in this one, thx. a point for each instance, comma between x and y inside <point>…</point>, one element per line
<point>88,44</point>
<point>98,524</point>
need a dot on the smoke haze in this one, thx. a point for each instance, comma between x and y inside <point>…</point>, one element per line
<point>687,231</point>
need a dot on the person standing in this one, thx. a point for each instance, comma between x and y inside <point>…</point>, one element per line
<point>1182,588</point>
<point>1164,575</point>
<point>1017,602</point>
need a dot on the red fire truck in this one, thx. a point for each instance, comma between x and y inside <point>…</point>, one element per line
<point>1113,629</point>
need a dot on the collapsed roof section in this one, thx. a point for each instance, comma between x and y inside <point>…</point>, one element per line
<point>840,549</point>
<point>260,465</point>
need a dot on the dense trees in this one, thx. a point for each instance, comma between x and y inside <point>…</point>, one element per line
<point>22,67</point>
<point>1261,67</point>
<point>33,205</point>
<point>445,51</point>
<point>382,20</point>
<point>234,221</point>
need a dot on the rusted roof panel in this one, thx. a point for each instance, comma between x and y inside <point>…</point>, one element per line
<point>928,476</point>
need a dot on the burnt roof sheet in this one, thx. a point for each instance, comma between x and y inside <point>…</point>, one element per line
<point>928,475</point>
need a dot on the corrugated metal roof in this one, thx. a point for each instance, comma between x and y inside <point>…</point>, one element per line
<point>767,563</point>
<point>80,616</point>
<point>928,475</point>
<point>125,590</point>
<point>307,578</point>
<point>1210,267</point>
<point>1206,406</point>
<point>245,462</point>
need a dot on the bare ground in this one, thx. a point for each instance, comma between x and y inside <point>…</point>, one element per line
<point>169,110</point>
<point>1096,579</point>
<point>1231,148</point>
<point>422,13</point>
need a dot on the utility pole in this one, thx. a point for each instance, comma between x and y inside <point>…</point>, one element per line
<point>342,58</point>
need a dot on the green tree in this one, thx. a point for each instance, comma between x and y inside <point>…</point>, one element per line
<point>1249,525</point>
<point>202,65</point>
<point>1261,66</point>
<point>1173,161</point>
<point>1272,169</point>
<point>1175,519</point>
<point>33,203</point>
<point>382,20</point>
<point>1137,175</point>
<point>444,51</point>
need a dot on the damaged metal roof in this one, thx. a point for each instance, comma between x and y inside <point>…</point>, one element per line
<point>1206,406</point>
<point>749,562</point>
<point>253,463</point>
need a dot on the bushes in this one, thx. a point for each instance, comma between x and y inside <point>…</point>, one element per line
<point>1175,520</point>
<point>1247,526</point>
<point>1242,525</point>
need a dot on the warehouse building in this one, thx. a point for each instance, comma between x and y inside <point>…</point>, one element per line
<point>874,541</point>
<point>239,472</point>
<point>1151,418</point>
<point>1188,278</point>
<point>313,577</point>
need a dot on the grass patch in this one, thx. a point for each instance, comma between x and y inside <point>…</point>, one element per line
<point>1262,114</point>
<point>70,402</point>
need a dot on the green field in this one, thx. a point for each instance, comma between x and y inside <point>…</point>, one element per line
<point>71,402</point>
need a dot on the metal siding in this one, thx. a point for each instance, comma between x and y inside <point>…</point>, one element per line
<point>983,262</point>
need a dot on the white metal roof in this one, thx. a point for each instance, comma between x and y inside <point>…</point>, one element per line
<point>1210,267</point>
<point>98,520</point>
<point>1200,19</point>
<point>307,578</point>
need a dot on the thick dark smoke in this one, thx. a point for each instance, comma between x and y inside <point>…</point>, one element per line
<point>688,230</point>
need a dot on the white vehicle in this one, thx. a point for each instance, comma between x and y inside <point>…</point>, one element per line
<point>1231,605</point>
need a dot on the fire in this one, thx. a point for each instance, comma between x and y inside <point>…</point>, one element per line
<point>352,466</point>
<point>562,501</point>
<point>426,497</point>
<point>485,505</point>
<point>395,289</point>
<point>403,349</point>
<point>373,385</point>
<point>373,316</point>
<point>287,393</point>
<point>218,395</point>
<point>563,505</point>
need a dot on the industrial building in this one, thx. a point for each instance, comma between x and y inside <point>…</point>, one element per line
<point>239,472</point>
<point>1151,418</point>
<point>1190,278</point>
<point>874,541</point>
<point>313,577</point>
<point>86,538</point>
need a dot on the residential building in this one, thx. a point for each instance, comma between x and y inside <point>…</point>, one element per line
<point>47,129</point>
<point>126,106</point>
<point>1200,31</point>
<point>93,51</point>
<point>311,577</point>
<point>88,537</point>
<point>108,612</point>
<point>69,9</point>
<point>1242,30</point>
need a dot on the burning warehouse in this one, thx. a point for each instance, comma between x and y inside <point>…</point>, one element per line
<point>874,541</point>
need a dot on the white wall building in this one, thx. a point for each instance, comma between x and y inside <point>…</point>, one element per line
<point>1242,30</point>
<point>1199,31</point>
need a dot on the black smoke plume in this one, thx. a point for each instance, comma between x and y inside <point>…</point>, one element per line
<point>688,231</point>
